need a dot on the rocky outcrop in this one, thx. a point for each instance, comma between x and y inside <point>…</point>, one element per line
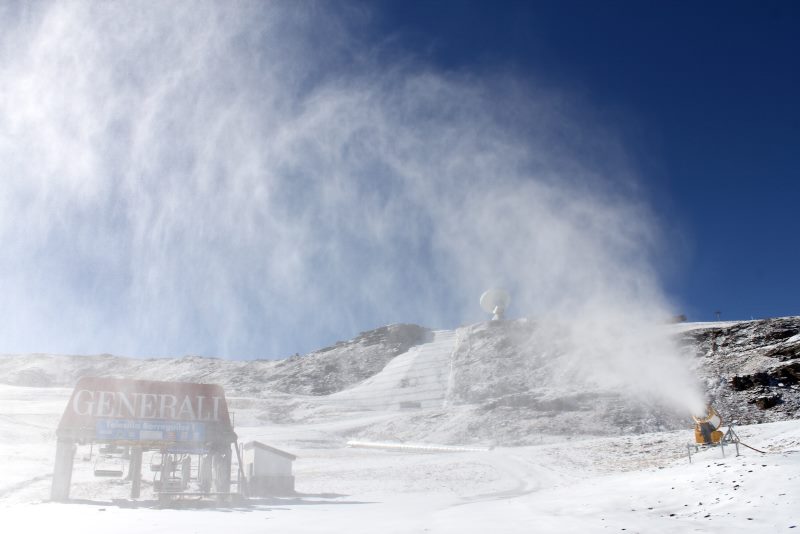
<point>751,368</point>
<point>346,363</point>
<point>322,372</point>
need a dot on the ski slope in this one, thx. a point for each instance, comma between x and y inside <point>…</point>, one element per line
<point>418,378</point>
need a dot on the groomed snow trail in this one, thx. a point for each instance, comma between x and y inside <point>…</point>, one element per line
<point>417,378</point>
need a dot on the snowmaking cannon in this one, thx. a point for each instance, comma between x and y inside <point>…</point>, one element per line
<point>707,433</point>
<point>706,427</point>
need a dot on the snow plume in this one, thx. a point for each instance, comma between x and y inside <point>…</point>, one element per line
<point>256,179</point>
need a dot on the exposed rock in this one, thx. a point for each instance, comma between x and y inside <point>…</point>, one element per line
<point>785,352</point>
<point>788,374</point>
<point>766,402</point>
<point>320,373</point>
<point>754,366</point>
<point>333,369</point>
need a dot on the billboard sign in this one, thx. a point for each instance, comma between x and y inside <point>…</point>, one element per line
<point>122,410</point>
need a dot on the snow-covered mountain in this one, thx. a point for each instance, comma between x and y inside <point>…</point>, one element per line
<point>491,383</point>
<point>486,384</point>
<point>322,372</point>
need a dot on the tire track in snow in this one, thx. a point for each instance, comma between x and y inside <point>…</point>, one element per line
<point>528,478</point>
<point>16,419</point>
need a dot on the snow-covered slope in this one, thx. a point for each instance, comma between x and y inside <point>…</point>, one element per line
<point>416,379</point>
<point>634,483</point>
<point>488,383</point>
<point>559,454</point>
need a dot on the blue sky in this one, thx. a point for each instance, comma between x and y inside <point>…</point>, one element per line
<point>705,97</point>
<point>259,179</point>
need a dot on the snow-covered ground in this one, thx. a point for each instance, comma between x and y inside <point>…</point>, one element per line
<point>641,483</point>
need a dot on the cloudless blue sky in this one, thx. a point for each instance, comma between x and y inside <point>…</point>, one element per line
<point>705,98</point>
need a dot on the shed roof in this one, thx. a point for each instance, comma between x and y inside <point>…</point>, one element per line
<point>265,447</point>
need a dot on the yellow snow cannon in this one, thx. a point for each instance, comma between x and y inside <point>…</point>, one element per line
<point>706,427</point>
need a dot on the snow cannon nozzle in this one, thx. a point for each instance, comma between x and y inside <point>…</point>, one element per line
<point>706,427</point>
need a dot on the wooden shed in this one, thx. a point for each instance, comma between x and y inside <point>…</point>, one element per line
<point>268,470</point>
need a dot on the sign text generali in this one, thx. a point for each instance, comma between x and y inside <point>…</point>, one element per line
<point>114,409</point>
<point>138,405</point>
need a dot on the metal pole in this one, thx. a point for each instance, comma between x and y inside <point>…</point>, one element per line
<point>135,472</point>
<point>242,485</point>
<point>165,471</point>
<point>62,472</point>
<point>222,470</point>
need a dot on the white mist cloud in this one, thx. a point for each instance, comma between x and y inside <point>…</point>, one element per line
<point>247,180</point>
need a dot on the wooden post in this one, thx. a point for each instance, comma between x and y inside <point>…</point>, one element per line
<point>62,472</point>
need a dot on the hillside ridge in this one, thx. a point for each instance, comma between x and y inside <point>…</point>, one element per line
<point>484,383</point>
